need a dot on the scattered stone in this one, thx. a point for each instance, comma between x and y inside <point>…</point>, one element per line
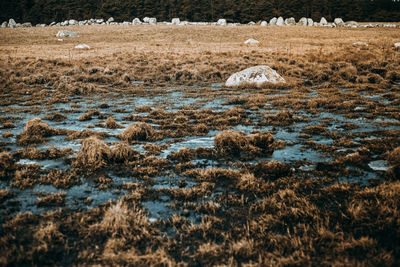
<point>339,22</point>
<point>60,40</point>
<point>221,22</point>
<point>273,21</point>
<point>52,24</point>
<point>65,33</point>
<point>280,22</point>
<point>251,41</point>
<point>126,23</point>
<point>251,23</point>
<point>396,44</point>
<point>290,21</point>
<point>111,19</point>
<point>41,25</point>
<point>4,24</point>
<point>310,22</point>
<point>263,23</point>
<point>352,24</point>
<point>176,21</point>
<point>136,21</point>
<point>153,21</point>
<point>302,22</point>
<point>27,25</point>
<point>323,22</point>
<point>184,23</point>
<point>99,21</point>
<point>255,75</point>
<point>82,46</point>
<point>12,23</point>
<point>72,22</point>
<point>146,20</point>
<point>360,44</point>
<point>379,165</point>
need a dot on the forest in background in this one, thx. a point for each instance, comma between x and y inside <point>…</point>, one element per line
<point>243,11</point>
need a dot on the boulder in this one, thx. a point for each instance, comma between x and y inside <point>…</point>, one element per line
<point>176,21</point>
<point>360,44</point>
<point>338,22</point>
<point>12,23</point>
<point>323,22</point>
<point>65,33</point>
<point>352,24</point>
<point>251,41</point>
<point>221,22</point>
<point>310,22</point>
<point>397,45</point>
<point>280,22</point>
<point>72,22</point>
<point>82,46</point>
<point>4,24</point>
<point>302,22</point>
<point>273,21</point>
<point>153,21</point>
<point>136,21</point>
<point>263,23</point>
<point>290,21</point>
<point>255,75</point>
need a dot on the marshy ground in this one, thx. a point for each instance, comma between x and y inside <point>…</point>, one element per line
<point>134,152</point>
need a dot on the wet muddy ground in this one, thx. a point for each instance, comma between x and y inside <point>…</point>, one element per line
<point>338,134</point>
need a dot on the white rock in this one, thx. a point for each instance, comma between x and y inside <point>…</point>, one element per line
<point>338,22</point>
<point>280,22</point>
<point>176,21</point>
<point>65,33</point>
<point>110,19</point>
<point>184,23</point>
<point>72,22</point>
<point>379,165</point>
<point>40,25</point>
<point>360,44</point>
<point>396,44</point>
<point>351,24</point>
<point>302,22</point>
<point>263,23</point>
<point>4,24</point>
<point>255,75</point>
<point>251,23</point>
<point>273,21</point>
<point>60,40</point>
<point>323,21</point>
<point>146,20</point>
<point>310,22</point>
<point>99,21</point>
<point>12,23</point>
<point>290,21</point>
<point>221,22</point>
<point>82,46</point>
<point>153,21</point>
<point>64,23</point>
<point>126,23</point>
<point>316,24</point>
<point>53,24</point>
<point>136,21</point>
<point>251,41</point>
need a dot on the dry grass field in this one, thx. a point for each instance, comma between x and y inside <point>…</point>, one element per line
<point>135,153</point>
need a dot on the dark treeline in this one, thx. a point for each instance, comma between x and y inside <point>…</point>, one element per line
<point>47,11</point>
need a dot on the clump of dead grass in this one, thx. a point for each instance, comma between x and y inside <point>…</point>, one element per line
<point>35,131</point>
<point>94,154</point>
<point>138,131</point>
<point>123,152</point>
<point>236,144</point>
<point>112,124</point>
<point>7,165</point>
